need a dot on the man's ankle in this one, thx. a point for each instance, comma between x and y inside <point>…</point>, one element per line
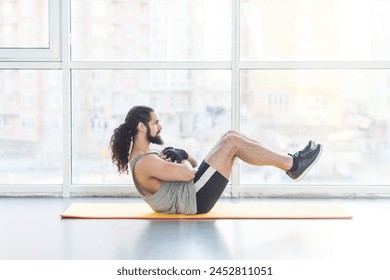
<point>294,164</point>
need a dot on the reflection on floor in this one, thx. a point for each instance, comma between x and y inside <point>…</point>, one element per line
<point>30,228</point>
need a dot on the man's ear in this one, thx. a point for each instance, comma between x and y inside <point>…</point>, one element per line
<point>141,127</point>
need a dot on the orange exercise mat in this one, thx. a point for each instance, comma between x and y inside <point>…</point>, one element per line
<point>220,211</point>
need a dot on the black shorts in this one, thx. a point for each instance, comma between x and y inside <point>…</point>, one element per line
<point>209,185</point>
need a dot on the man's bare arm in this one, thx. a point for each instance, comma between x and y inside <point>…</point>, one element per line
<point>156,167</point>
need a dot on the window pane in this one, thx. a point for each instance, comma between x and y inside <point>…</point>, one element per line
<point>346,110</point>
<point>193,107</point>
<point>30,127</point>
<point>24,24</point>
<point>140,30</point>
<point>315,30</point>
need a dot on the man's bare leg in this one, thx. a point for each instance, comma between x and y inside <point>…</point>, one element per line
<point>233,145</point>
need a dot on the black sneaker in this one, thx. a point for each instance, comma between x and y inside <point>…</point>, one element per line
<point>305,159</point>
<point>310,146</point>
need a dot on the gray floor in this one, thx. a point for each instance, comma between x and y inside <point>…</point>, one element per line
<point>31,228</point>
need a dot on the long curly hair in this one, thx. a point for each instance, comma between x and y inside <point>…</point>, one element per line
<point>123,137</point>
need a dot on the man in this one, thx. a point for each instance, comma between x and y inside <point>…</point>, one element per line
<point>167,180</point>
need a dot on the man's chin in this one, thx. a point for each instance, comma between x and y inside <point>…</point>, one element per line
<point>157,141</point>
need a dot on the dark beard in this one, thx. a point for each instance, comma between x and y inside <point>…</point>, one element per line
<point>154,139</point>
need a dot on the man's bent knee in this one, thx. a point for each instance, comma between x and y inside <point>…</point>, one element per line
<point>230,132</point>
<point>230,141</point>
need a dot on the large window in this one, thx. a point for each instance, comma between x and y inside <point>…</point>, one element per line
<point>30,30</point>
<point>306,30</point>
<point>193,107</point>
<point>30,127</point>
<point>282,72</point>
<point>164,30</point>
<point>346,110</point>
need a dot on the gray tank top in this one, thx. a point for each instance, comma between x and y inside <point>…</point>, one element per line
<point>173,196</point>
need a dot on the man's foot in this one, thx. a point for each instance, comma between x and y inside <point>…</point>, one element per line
<point>304,160</point>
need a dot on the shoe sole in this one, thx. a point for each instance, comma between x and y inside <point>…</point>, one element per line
<point>311,165</point>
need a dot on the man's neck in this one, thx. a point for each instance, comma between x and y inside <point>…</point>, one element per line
<point>140,146</point>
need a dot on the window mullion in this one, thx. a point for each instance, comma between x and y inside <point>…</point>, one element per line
<point>235,87</point>
<point>66,76</point>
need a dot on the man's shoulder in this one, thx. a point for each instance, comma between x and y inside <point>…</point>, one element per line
<point>150,158</point>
